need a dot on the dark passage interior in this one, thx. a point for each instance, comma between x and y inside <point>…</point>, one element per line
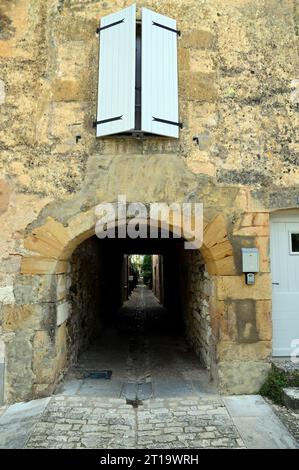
<point>147,333</point>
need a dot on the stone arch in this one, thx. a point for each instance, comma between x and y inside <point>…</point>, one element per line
<point>44,268</point>
<point>40,312</point>
<point>50,245</point>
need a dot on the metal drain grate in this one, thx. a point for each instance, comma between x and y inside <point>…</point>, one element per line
<point>100,374</point>
<point>134,403</point>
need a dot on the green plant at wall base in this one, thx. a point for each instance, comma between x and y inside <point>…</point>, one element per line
<point>272,387</point>
<point>275,382</point>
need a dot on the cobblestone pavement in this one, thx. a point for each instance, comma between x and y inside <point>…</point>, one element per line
<point>77,422</point>
<point>71,422</point>
<point>157,397</point>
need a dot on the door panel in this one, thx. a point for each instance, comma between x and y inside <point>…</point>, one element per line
<point>285,285</point>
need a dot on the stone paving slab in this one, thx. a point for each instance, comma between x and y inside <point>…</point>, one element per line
<point>264,433</point>
<point>290,419</point>
<point>257,424</point>
<point>70,422</point>
<point>247,405</point>
<point>17,422</point>
<point>81,422</point>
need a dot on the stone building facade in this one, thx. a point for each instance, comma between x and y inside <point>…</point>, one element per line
<point>237,153</point>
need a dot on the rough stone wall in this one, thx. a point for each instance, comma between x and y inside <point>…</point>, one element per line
<point>238,65</point>
<point>238,74</point>
<point>196,293</point>
<point>86,296</point>
<point>157,277</point>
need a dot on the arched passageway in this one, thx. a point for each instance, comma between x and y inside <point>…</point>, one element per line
<point>150,339</point>
<point>208,293</point>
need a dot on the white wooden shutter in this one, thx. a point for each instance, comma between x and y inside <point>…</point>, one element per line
<point>116,92</point>
<point>159,74</point>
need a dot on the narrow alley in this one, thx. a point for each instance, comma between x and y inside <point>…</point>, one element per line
<point>141,387</point>
<point>142,355</point>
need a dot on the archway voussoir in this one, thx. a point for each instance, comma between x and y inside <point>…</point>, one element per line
<point>215,232</point>
<point>39,265</point>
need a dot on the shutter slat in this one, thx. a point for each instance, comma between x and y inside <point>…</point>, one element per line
<point>116,88</point>
<point>159,75</point>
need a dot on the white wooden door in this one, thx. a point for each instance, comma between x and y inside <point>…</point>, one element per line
<point>284,248</point>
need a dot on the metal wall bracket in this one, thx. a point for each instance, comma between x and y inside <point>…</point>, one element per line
<point>179,124</point>
<point>166,27</point>
<point>109,25</point>
<point>95,123</point>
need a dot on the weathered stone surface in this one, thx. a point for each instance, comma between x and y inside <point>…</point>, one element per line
<point>229,351</point>
<point>198,39</point>
<point>36,265</point>
<point>4,196</point>
<point>54,171</point>
<point>28,317</point>
<point>198,86</point>
<point>63,311</point>
<point>239,377</point>
<point>32,289</point>
<point>291,397</point>
<point>19,376</point>
<point>234,287</point>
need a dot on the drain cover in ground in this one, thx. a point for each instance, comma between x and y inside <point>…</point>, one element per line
<point>144,391</point>
<point>100,374</point>
<point>132,391</point>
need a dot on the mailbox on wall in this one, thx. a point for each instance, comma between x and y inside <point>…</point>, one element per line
<point>250,263</point>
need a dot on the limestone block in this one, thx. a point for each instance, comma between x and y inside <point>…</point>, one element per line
<point>262,243</point>
<point>201,61</point>
<point>240,377</point>
<point>43,367</point>
<point>14,28</point>
<point>2,92</point>
<point>33,289</point>
<point>206,168</point>
<point>44,357</point>
<point>49,239</point>
<point>4,196</point>
<point>2,351</point>
<point>80,227</point>
<point>234,287</point>
<point>63,311</point>
<point>222,267</point>
<point>18,373</point>
<point>184,59</point>
<point>39,265</point>
<point>264,319</point>
<point>198,86</point>
<point>252,231</point>
<point>22,317</point>
<point>63,285</point>
<point>215,232</point>
<point>66,121</point>
<point>61,348</point>
<point>220,250</point>
<point>43,390</point>
<point>198,39</point>
<point>230,351</point>
<point>67,90</point>
<point>41,340</point>
<point>7,295</point>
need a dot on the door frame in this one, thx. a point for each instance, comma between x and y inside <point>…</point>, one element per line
<point>283,216</point>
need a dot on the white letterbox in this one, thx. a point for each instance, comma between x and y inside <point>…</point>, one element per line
<point>250,260</point>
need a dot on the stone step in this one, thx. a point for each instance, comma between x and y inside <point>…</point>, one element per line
<point>291,397</point>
